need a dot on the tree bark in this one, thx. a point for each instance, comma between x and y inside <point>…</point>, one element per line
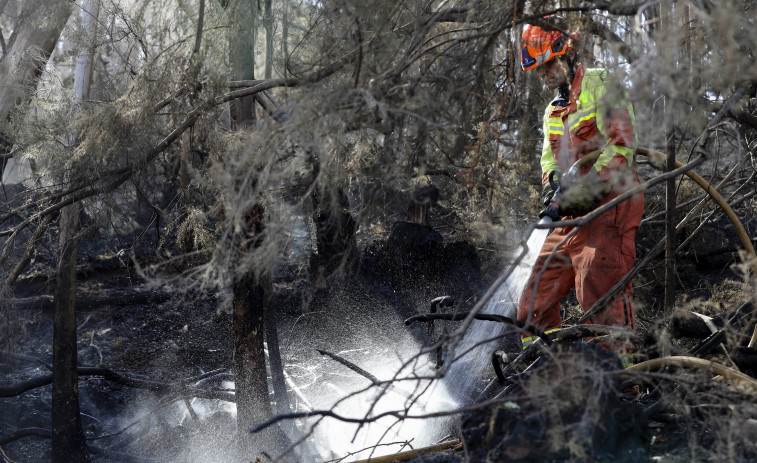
<point>251,300</point>
<point>68,437</point>
<point>243,15</point>
<point>33,41</point>
<point>251,385</point>
<point>268,39</point>
<point>251,293</point>
<point>68,442</point>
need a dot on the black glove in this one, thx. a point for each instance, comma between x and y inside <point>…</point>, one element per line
<point>547,193</point>
<point>550,196</point>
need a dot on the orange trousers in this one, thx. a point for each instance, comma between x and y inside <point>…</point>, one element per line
<point>592,260</point>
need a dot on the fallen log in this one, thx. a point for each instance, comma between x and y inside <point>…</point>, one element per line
<point>89,301</point>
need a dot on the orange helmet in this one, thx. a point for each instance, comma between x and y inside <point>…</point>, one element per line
<point>539,46</point>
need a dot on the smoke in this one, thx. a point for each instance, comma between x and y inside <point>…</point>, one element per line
<point>401,391</point>
<point>202,431</point>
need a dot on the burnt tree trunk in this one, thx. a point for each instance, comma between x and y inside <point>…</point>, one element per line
<point>250,293</point>
<point>335,233</point>
<point>252,322</point>
<point>68,443</point>
<point>68,437</point>
<point>251,384</point>
<point>274,356</point>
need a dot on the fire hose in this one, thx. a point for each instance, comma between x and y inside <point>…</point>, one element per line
<point>656,157</point>
<point>551,212</point>
<point>715,195</point>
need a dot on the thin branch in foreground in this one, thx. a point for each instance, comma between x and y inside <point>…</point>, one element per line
<point>730,374</point>
<point>350,365</point>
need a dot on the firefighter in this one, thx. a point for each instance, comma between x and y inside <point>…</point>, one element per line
<point>588,113</point>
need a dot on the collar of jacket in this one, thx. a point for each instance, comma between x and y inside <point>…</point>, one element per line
<point>575,90</point>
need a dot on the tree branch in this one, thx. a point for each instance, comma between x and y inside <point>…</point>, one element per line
<point>25,432</point>
<point>606,33</point>
<point>350,365</point>
<point>126,380</point>
<point>88,302</point>
<point>479,316</point>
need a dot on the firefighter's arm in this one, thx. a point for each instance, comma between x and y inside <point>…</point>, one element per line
<point>615,121</point>
<point>548,163</point>
<point>618,153</point>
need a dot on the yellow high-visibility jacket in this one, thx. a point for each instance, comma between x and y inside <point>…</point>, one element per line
<point>596,117</point>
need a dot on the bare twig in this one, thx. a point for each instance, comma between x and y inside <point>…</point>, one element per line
<point>732,375</point>
<point>350,365</point>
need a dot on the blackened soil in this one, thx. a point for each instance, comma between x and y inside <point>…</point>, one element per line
<point>169,337</point>
<point>358,315</point>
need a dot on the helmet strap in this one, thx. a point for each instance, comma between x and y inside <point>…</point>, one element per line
<point>571,66</point>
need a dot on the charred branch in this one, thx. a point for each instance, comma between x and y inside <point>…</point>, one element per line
<point>350,365</point>
<point>25,432</point>
<point>480,316</point>
<point>179,387</point>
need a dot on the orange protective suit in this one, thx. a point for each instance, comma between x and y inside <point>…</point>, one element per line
<point>600,253</point>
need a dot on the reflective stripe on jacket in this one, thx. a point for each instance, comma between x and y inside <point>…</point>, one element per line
<point>599,115</point>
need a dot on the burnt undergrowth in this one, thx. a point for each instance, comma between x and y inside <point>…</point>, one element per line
<point>573,403</point>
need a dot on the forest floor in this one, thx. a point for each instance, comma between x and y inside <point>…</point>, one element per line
<point>128,325</point>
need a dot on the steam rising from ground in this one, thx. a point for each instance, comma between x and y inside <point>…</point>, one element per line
<point>335,439</point>
<point>377,342</point>
<point>323,385</point>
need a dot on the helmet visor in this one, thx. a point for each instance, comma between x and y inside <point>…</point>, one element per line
<point>529,62</point>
